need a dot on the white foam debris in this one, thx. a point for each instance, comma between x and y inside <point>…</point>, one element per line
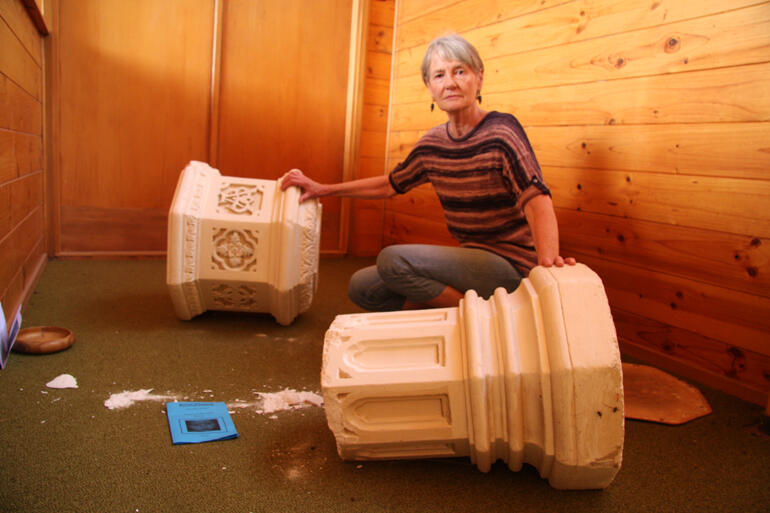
<point>238,404</point>
<point>128,398</point>
<point>289,399</point>
<point>63,381</point>
<point>268,403</point>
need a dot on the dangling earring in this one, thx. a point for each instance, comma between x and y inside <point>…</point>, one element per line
<point>478,97</point>
<point>432,106</point>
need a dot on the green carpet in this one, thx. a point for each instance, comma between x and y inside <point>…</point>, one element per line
<point>64,451</point>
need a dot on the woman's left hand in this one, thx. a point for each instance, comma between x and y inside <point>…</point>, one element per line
<point>557,261</point>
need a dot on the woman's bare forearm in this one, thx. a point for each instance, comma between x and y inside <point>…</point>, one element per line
<point>377,187</point>
<point>545,230</point>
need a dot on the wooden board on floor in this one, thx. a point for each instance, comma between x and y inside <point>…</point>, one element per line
<point>653,395</point>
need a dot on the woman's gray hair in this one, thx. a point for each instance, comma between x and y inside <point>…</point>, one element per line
<point>452,47</point>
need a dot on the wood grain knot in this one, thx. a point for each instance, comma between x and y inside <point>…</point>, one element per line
<point>673,44</point>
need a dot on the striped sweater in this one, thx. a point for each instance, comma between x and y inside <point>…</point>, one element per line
<point>483,180</point>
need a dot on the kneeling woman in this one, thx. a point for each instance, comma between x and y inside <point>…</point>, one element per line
<point>495,201</point>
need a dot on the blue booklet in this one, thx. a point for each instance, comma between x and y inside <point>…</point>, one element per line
<point>196,422</point>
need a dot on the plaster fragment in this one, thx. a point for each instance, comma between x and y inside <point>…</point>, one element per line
<point>63,381</point>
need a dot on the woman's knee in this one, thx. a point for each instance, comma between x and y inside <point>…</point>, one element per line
<point>393,261</point>
<point>361,281</point>
<point>367,290</point>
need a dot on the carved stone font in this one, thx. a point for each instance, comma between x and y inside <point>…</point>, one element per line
<point>241,244</point>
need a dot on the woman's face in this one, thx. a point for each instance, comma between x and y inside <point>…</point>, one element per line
<point>452,84</point>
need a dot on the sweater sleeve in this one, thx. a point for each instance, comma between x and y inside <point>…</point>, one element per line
<point>410,173</point>
<point>522,169</point>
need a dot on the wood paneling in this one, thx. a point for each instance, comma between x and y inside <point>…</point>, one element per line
<point>722,204</point>
<point>651,121</point>
<point>515,27</point>
<point>18,18</point>
<point>421,21</point>
<point>733,94</point>
<point>718,362</point>
<point>20,154</point>
<point>368,216</point>
<point>739,150</point>
<point>726,259</point>
<point>19,110</point>
<point>709,310</point>
<point>18,62</point>
<point>22,231</point>
<point>17,199</point>
<point>145,227</point>
<point>282,103</point>
<point>718,40</point>
<point>17,246</point>
<point>139,92</point>
<point>133,86</point>
<point>25,280</point>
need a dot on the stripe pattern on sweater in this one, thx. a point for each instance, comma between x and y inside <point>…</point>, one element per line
<point>483,180</point>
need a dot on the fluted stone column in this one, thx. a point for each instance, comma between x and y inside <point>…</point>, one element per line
<point>529,377</point>
<point>241,244</point>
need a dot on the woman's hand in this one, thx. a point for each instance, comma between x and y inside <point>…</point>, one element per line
<point>310,188</point>
<point>558,261</point>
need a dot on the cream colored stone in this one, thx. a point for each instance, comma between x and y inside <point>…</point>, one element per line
<point>529,377</point>
<point>241,244</point>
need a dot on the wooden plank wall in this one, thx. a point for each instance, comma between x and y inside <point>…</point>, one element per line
<point>367,216</point>
<point>22,180</point>
<point>130,105</point>
<point>651,120</point>
<point>290,114</point>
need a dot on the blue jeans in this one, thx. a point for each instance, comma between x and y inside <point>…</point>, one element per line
<point>420,272</point>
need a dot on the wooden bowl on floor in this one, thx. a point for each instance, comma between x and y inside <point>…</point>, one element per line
<point>43,340</point>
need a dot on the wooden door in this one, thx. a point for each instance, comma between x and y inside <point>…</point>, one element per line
<point>282,105</point>
<point>132,93</point>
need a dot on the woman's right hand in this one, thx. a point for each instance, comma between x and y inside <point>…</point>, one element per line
<point>310,188</point>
